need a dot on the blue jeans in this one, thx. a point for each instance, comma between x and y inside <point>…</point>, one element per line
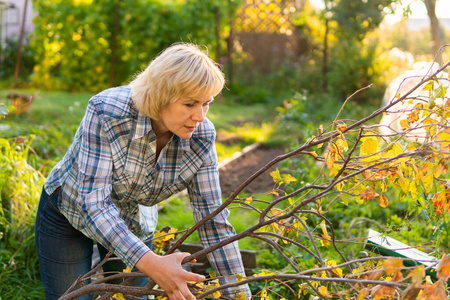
<point>65,253</point>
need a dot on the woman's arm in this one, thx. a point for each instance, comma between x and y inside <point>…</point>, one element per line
<point>205,195</point>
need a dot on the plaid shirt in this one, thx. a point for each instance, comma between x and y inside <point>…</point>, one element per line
<point>111,181</point>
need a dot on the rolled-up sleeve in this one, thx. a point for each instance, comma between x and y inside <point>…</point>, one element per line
<point>205,197</point>
<point>96,215</point>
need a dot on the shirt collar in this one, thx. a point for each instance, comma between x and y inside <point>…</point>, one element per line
<point>143,126</point>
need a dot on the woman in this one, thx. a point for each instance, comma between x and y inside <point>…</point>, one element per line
<point>136,146</point>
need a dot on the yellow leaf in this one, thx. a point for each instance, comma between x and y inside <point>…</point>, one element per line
<point>240,277</point>
<point>331,156</point>
<point>428,182</point>
<point>340,186</point>
<point>127,270</point>
<point>411,146</point>
<point>324,242</point>
<point>368,194</point>
<point>264,295</point>
<point>362,294</point>
<point>171,236</point>
<point>342,145</point>
<point>383,186</point>
<point>313,153</point>
<point>384,202</point>
<point>248,200</point>
<point>369,147</point>
<point>394,150</point>
<point>119,296</point>
<point>240,295</point>
<point>275,175</point>
<point>444,137</point>
<point>276,212</point>
<point>264,273</point>
<point>429,86</point>
<point>413,189</point>
<point>342,127</point>
<point>417,275</point>
<point>323,290</point>
<point>404,184</point>
<point>274,192</point>
<point>288,178</point>
<point>275,226</point>
<point>359,200</point>
<point>265,228</point>
<point>404,124</point>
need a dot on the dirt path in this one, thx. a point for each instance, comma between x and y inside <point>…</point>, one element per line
<point>239,170</point>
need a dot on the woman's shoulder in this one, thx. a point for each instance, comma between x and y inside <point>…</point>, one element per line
<point>114,102</point>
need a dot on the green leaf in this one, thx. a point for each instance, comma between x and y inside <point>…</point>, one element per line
<point>424,215</point>
<point>440,92</point>
<point>345,199</point>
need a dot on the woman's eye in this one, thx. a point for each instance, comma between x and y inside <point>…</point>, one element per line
<point>206,104</point>
<point>189,105</point>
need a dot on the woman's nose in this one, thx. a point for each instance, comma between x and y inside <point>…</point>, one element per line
<point>199,114</point>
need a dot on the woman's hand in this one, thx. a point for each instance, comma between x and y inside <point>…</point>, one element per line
<point>167,272</point>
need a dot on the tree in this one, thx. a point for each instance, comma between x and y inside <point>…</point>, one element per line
<point>360,165</point>
<point>19,50</point>
<point>352,53</point>
<point>436,32</point>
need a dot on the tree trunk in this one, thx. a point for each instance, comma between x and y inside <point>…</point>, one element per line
<point>436,32</point>
<point>325,57</point>
<point>230,43</point>
<point>218,49</point>
<point>20,46</point>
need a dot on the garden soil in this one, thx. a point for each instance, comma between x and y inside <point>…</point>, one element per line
<point>236,172</point>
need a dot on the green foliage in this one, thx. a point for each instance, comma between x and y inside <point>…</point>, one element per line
<point>9,56</point>
<point>73,40</point>
<point>352,68</point>
<point>356,18</point>
<point>351,53</point>
<point>20,187</point>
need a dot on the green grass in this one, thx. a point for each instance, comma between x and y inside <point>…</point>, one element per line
<point>176,213</point>
<point>49,107</point>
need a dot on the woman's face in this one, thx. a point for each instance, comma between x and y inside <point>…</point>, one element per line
<point>182,116</point>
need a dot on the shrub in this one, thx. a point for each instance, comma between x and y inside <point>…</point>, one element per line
<point>20,186</point>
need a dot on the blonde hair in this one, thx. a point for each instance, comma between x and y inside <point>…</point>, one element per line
<point>181,70</point>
